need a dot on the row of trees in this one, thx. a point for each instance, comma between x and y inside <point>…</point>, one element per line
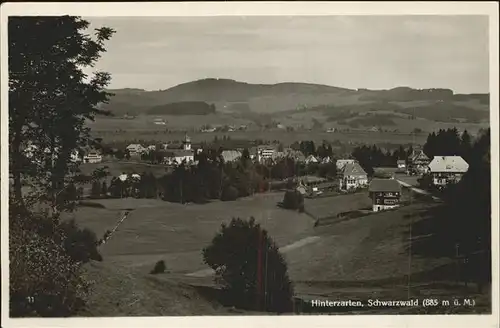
<point>448,143</point>
<point>372,156</point>
<point>465,217</point>
<point>212,178</point>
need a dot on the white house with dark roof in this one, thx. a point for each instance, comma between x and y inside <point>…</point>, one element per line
<point>92,157</point>
<point>352,176</point>
<point>135,149</point>
<point>447,169</point>
<point>342,162</point>
<point>231,155</point>
<point>385,194</point>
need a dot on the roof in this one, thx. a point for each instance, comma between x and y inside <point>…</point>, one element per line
<point>342,162</point>
<point>311,158</point>
<point>454,164</point>
<point>230,155</point>
<point>353,169</point>
<point>134,145</point>
<point>418,154</point>
<point>384,185</point>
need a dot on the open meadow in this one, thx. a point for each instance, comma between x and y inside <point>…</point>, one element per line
<point>355,258</point>
<point>113,129</point>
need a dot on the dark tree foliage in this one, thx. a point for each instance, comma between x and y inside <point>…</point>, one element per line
<point>160,267</point>
<point>80,244</point>
<point>250,268</point>
<point>95,191</point>
<point>50,99</point>
<point>370,157</point>
<point>467,210</point>
<point>293,200</point>
<point>45,277</point>
<point>229,193</point>
<point>104,188</point>
<point>446,143</point>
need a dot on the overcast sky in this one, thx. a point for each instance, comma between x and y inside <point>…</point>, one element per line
<point>373,52</point>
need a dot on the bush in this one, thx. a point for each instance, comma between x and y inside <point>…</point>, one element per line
<point>95,192</point>
<point>44,281</point>
<point>293,200</point>
<point>229,193</point>
<point>249,266</point>
<point>106,236</point>
<point>80,244</point>
<point>159,267</point>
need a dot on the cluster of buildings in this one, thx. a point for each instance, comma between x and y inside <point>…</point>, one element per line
<point>386,193</point>
<point>76,157</point>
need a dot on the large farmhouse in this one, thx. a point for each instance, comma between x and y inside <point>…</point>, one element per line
<point>231,155</point>
<point>447,169</point>
<point>135,149</point>
<point>385,194</point>
<point>418,162</point>
<point>352,176</point>
<point>342,162</point>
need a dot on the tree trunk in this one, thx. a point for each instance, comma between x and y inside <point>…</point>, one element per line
<point>15,168</point>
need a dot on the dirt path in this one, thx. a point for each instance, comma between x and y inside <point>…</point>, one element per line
<point>125,215</point>
<point>418,190</point>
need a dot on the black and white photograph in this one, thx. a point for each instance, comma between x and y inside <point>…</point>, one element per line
<point>218,160</point>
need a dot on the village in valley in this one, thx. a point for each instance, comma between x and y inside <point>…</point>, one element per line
<point>223,197</point>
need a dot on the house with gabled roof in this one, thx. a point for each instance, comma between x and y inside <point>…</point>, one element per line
<point>447,169</point>
<point>385,194</point>
<point>418,162</point>
<point>135,149</point>
<point>352,176</point>
<point>342,162</point>
<point>311,159</point>
<point>231,155</point>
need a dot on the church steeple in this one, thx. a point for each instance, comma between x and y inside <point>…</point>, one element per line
<point>187,143</point>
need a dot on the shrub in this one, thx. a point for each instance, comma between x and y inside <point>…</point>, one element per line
<point>425,182</point>
<point>80,244</point>
<point>159,267</point>
<point>106,235</point>
<point>293,200</point>
<point>229,193</point>
<point>44,281</point>
<point>95,192</point>
<point>249,266</point>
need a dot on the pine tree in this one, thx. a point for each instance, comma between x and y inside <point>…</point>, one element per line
<point>104,189</point>
<point>95,191</point>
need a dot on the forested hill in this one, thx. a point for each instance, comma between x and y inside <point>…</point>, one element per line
<point>233,96</point>
<point>183,108</point>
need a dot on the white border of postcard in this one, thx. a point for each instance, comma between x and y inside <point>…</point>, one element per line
<point>257,9</point>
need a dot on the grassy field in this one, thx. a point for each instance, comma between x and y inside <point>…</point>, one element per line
<point>157,230</point>
<point>279,135</point>
<point>359,258</point>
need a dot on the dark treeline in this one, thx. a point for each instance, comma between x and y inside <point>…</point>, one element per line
<point>373,156</point>
<point>463,223</point>
<point>448,143</point>
<point>212,178</point>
